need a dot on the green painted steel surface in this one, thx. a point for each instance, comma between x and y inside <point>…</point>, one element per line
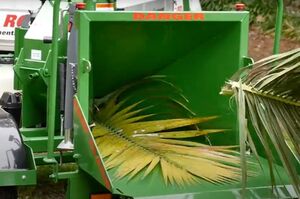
<point>19,44</point>
<point>278,27</point>
<point>37,138</point>
<point>33,77</point>
<point>86,153</point>
<point>91,5</point>
<point>116,48</point>
<point>19,41</point>
<point>34,87</point>
<point>198,56</point>
<point>154,186</point>
<point>20,176</point>
<point>52,91</point>
<point>186,5</point>
<point>255,193</point>
<point>82,186</point>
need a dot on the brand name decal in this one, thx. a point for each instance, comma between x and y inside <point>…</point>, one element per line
<point>168,16</point>
<point>12,20</point>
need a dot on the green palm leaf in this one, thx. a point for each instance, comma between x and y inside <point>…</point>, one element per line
<point>130,141</point>
<point>270,91</point>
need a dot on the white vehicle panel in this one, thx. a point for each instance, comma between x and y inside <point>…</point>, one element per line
<point>11,16</point>
<point>42,25</point>
<point>6,78</point>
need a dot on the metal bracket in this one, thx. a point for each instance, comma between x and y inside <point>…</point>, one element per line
<point>86,66</point>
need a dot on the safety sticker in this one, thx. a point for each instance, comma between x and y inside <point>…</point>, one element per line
<point>36,54</point>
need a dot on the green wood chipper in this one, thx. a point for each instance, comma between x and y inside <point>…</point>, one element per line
<point>75,52</point>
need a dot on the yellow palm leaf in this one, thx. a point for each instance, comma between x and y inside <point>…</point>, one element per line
<point>132,145</point>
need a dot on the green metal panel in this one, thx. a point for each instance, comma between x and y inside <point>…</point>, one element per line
<point>82,186</point>
<point>261,193</point>
<point>66,157</point>
<point>154,186</point>
<point>33,77</point>
<point>30,75</point>
<point>20,176</point>
<point>19,43</point>
<point>86,153</point>
<point>209,16</point>
<point>39,144</point>
<point>121,49</point>
<point>52,106</point>
<point>196,55</point>
<point>37,138</point>
<point>19,40</point>
<point>278,26</point>
<point>193,54</point>
<point>91,5</point>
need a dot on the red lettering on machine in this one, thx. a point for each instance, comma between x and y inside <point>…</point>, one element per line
<point>13,20</point>
<point>168,16</point>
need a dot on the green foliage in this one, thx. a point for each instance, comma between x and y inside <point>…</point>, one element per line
<point>215,5</point>
<point>263,14</point>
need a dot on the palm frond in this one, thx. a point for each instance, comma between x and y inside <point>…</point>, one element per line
<point>133,142</point>
<point>271,93</point>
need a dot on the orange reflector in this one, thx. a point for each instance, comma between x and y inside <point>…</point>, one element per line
<point>80,6</point>
<point>104,5</point>
<point>101,196</point>
<point>240,7</point>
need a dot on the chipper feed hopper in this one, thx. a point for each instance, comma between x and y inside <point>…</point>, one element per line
<point>74,53</point>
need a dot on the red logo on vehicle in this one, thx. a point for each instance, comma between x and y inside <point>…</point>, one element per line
<point>13,20</point>
<point>168,16</point>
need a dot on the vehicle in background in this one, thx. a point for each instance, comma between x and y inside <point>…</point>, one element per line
<point>6,79</point>
<point>13,12</point>
<point>12,15</point>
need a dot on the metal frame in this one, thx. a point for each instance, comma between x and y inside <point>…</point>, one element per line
<point>278,27</point>
<point>38,138</point>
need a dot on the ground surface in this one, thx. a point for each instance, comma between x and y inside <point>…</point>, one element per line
<point>45,189</point>
<point>260,46</point>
